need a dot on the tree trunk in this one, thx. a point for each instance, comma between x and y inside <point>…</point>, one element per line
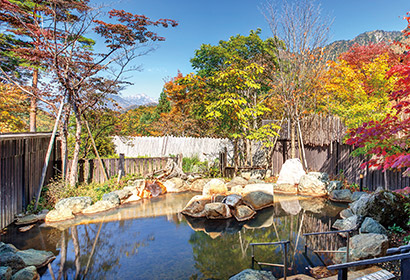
<point>74,165</point>
<point>33,104</point>
<point>235,155</point>
<point>64,144</point>
<point>292,139</point>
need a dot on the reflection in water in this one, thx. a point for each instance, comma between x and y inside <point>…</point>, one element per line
<point>150,240</point>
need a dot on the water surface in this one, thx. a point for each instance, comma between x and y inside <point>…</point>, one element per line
<point>149,239</point>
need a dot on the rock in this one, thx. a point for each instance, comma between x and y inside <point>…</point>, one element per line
<point>313,184</point>
<point>291,207</point>
<point>237,181</point>
<point>341,195</point>
<point>385,207</point>
<point>5,273</point>
<point>59,215</point>
<point>7,248</point>
<point>102,205</point>
<point>368,245</point>
<point>291,172</point>
<point>132,189</point>
<point>196,206</point>
<point>217,210</point>
<point>198,185</point>
<point>346,213</point>
<point>357,195</point>
<point>232,200</point>
<point>334,185</point>
<point>258,200</point>
<point>112,197</point>
<point>268,174</point>
<point>347,224</point>
<point>258,174</point>
<point>268,188</point>
<point>42,214</point>
<point>255,181</point>
<point>74,204</point>
<point>340,257</point>
<point>132,198</point>
<point>155,188</point>
<point>246,175</point>
<point>123,194</point>
<point>243,213</point>
<point>215,186</point>
<point>217,198</point>
<point>36,258</point>
<point>26,228</point>
<point>26,220</point>
<point>251,274</point>
<point>13,261</point>
<point>175,185</point>
<point>369,225</point>
<point>237,189</point>
<point>28,273</point>
<point>286,188</point>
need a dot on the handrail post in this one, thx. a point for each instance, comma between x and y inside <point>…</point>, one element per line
<point>285,260</point>
<point>405,268</point>
<point>348,247</point>
<point>253,256</point>
<point>342,274</point>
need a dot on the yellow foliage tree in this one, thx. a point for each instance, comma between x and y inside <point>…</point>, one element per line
<point>13,109</point>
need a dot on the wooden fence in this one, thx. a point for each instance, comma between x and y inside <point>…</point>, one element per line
<point>21,161</point>
<point>335,159</point>
<point>90,170</point>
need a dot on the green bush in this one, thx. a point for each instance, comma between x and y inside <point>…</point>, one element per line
<point>194,165</point>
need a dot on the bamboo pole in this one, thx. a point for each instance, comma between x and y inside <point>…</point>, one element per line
<point>95,149</point>
<point>48,155</point>
<point>303,146</point>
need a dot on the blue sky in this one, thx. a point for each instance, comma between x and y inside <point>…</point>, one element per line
<point>209,21</point>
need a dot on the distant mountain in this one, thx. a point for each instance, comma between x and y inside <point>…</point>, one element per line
<point>131,102</point>
<point>377,36</point>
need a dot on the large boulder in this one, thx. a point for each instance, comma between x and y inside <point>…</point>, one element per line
<point>232,200</point>
<point>341,195</point>
<point>132,198</point>
<point>196,206</point>
<point>350,223</point>
<point>313,184</point>
<point>176,185</point>
<point>75,204</point>
<point>112,198</point>
<point>198,185</point>
<point>5,273</point>
<point>12,260</point>
<point>334,185</point>
<point>243,213</point>
<point>384,207</point>
<point>102,205</point>
<point>251,274</point>
<point>59,215</point>
<point>26,220</point>
<point>217,210</point>
<point>237,181</point>
<point>258,199</point>
<point>27,273</point>
<point>7,248</point>
<point>369,225</point>
<point>215,186</point>
<point>346,213</point>
<point>268,188</point>
<point>36,258</point>
<point>357,195</point>
<point>123,194</point>
<point>291,172</point>
<point>368,245</point>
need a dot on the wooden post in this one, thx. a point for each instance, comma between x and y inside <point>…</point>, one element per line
<point>48,155</point>
<point>121,167</point>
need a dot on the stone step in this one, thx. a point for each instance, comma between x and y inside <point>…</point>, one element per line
<point>378,275</point>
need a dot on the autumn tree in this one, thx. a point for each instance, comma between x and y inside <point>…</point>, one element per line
<point>387,141</point>
<point>357,86</point>
<point>296,83</point>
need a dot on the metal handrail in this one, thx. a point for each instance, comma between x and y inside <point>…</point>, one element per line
<point>404,266</point>
<point>332,232</point>
<point>284,244</point>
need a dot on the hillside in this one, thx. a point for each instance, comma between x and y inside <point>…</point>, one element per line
<point>377,36</point>
<point>130,102</point>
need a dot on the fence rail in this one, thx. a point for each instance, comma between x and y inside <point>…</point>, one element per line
<point>90,170</point>
<point>21,161</point>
